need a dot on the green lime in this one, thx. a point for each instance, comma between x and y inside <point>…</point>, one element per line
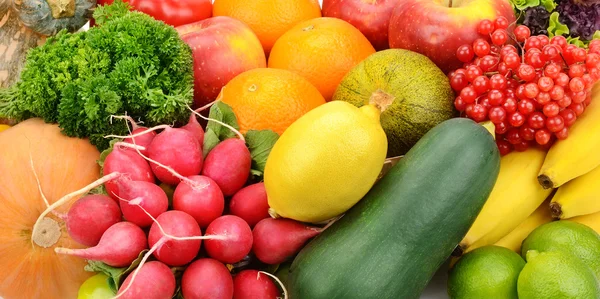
<point>556,275</point>
<point>95,287</point>
<point>572,237</point>
<point>486,272</point>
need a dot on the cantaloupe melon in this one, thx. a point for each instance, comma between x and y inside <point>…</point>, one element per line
<point>420,91</point>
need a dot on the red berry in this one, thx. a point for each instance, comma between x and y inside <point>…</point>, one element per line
<point>552,70</point>
<point>512,60</point>
<point>522,33</point>
<point>562,80</point>
<point>481,84</point>
<point>576,70</point>
<point>559,40</point>
<point>579,55</point>
<point>555,123</point>
<point>477,113</point>
<point>535,59</point>
<point>545,83</point>
<point>526,106</point>
<point>498,81</point>
<point>542,136</point>
<point>565,101</point>
<point>458,81</point>
<point>536,120</point>
<point>527,133</point>
<point>508,49</point>
<point>588,99</point>
<point>465,53</point>
<point>521,147</point>
<point>578,108</point>
<point>497,114</point>
<point>551,109</point>
<point>594,43</point>
<point>578,97</point>
<point>481,47</point>
<point>568,116</point>
<point>595,73</point>
<point>543,98</point>
<point>473,72</point>
<point>516,119</point>
<point>531,90</point>
<point>485,27</point>
<point>503,69</point>
<point>499,37</point>
<point>592,60</point>
<point>502,127</point>
<point>460,104</point>
<point>544,40</point>
<point>533,43</point>
<point>587,79</point>
<point>510,105</point>
<point>461,71</point>
<point>496,97</point>
<point>526,72</point>
<point>503,146</point>
<point>557,92</point>
<point>501,23</point>
<point>485,101</point>
<point>468,94</point>
<point>576,85</point>
<point>520,92</point>
<point>562,134</point>
<point>551,52</point>
<point>513,137</point>
<point>489,63</point>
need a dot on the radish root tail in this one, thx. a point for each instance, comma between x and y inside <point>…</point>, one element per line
<point>219,122</point>
<point>205,106</point>
<point>70,196</point>
<point>130,145</point>
<point>285,293</point>
<point>134,124</point>
<point>159,127</point>
<point>142,262</point>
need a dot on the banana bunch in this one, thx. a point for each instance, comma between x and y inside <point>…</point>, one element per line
<point>591,220</point>
<point>516,195</point>
<point>573,166</point>
<point>515,238</point>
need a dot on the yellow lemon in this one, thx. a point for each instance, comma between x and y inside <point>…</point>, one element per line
<point>325,162</point>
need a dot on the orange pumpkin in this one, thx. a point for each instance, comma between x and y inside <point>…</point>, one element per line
<point>29,267</point>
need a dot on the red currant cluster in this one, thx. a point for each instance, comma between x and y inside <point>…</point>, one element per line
<point>532,88</point>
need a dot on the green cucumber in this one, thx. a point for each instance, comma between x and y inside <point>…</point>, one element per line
<point>392,242</point>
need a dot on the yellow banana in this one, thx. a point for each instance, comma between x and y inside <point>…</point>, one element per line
<point>591,220</point>
<point>578,154</point>
<point>515,238</point>
<point>515,196</point>
<point>580,196</point>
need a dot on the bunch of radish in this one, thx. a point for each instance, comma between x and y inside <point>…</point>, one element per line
<point>214,206</point>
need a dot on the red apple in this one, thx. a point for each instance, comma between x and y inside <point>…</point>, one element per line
<point>223,47</point>
<point>371,17</point>
<point>436,28</point>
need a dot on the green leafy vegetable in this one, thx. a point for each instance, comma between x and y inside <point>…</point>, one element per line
<point>260,144</point>
<point>556,27</point>
<point>550,5</point>
<point>215,132</point>
<point>129,63</point>
<point>116,276</point>
<point>523,4</point>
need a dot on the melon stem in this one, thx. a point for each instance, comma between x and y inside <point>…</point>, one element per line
<point>381,99</point>
<point>62,8</point>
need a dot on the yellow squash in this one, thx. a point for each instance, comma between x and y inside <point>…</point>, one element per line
<point>325,162</point>
<point>578,154</point>
<point>515,196</point>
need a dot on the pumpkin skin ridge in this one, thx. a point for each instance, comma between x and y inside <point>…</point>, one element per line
<point>63,165</point>
<point>37,16</point>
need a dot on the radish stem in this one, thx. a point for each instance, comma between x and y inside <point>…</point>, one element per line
<point>159,127</point>
<point>285,294</point>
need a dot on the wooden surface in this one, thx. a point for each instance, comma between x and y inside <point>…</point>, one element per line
<point>15,40</point>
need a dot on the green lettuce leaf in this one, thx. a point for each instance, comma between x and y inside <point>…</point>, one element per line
<point>524,4</point>
<point>216,132</point>
<point>550,5</point>
<point>555,27</point>
<point>116,276</point>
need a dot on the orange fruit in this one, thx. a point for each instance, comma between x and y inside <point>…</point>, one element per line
<point>322,50</point>
<point>269,99</point>
<point>269,19</point>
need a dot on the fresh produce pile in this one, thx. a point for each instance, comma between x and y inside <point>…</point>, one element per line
<point>277,149</point>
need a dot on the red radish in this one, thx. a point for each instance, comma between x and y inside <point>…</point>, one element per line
<point>149,196</point>
<point>204,201</point>
<point>228,164</point>
<point>142,140</point>
<point>90,216</point>
<point>178,224</point>
<point>237,243</point>
<point>119,246</point>
<point>252,284</point>
<point>250,204</point>
<point>154,280</point>
<point>275,240</point>
<point>178,150</point>
<point>194,127</point>
<point>128,162</point>
<point>207,278</point>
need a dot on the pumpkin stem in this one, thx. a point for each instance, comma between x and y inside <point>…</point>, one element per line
<point>285,293</point>
<point>140,133</point>
<point>35,234</point>
<point>48,233</point>
<point>221,123</point>
<point>62,8</point>
<point>381,99</point>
